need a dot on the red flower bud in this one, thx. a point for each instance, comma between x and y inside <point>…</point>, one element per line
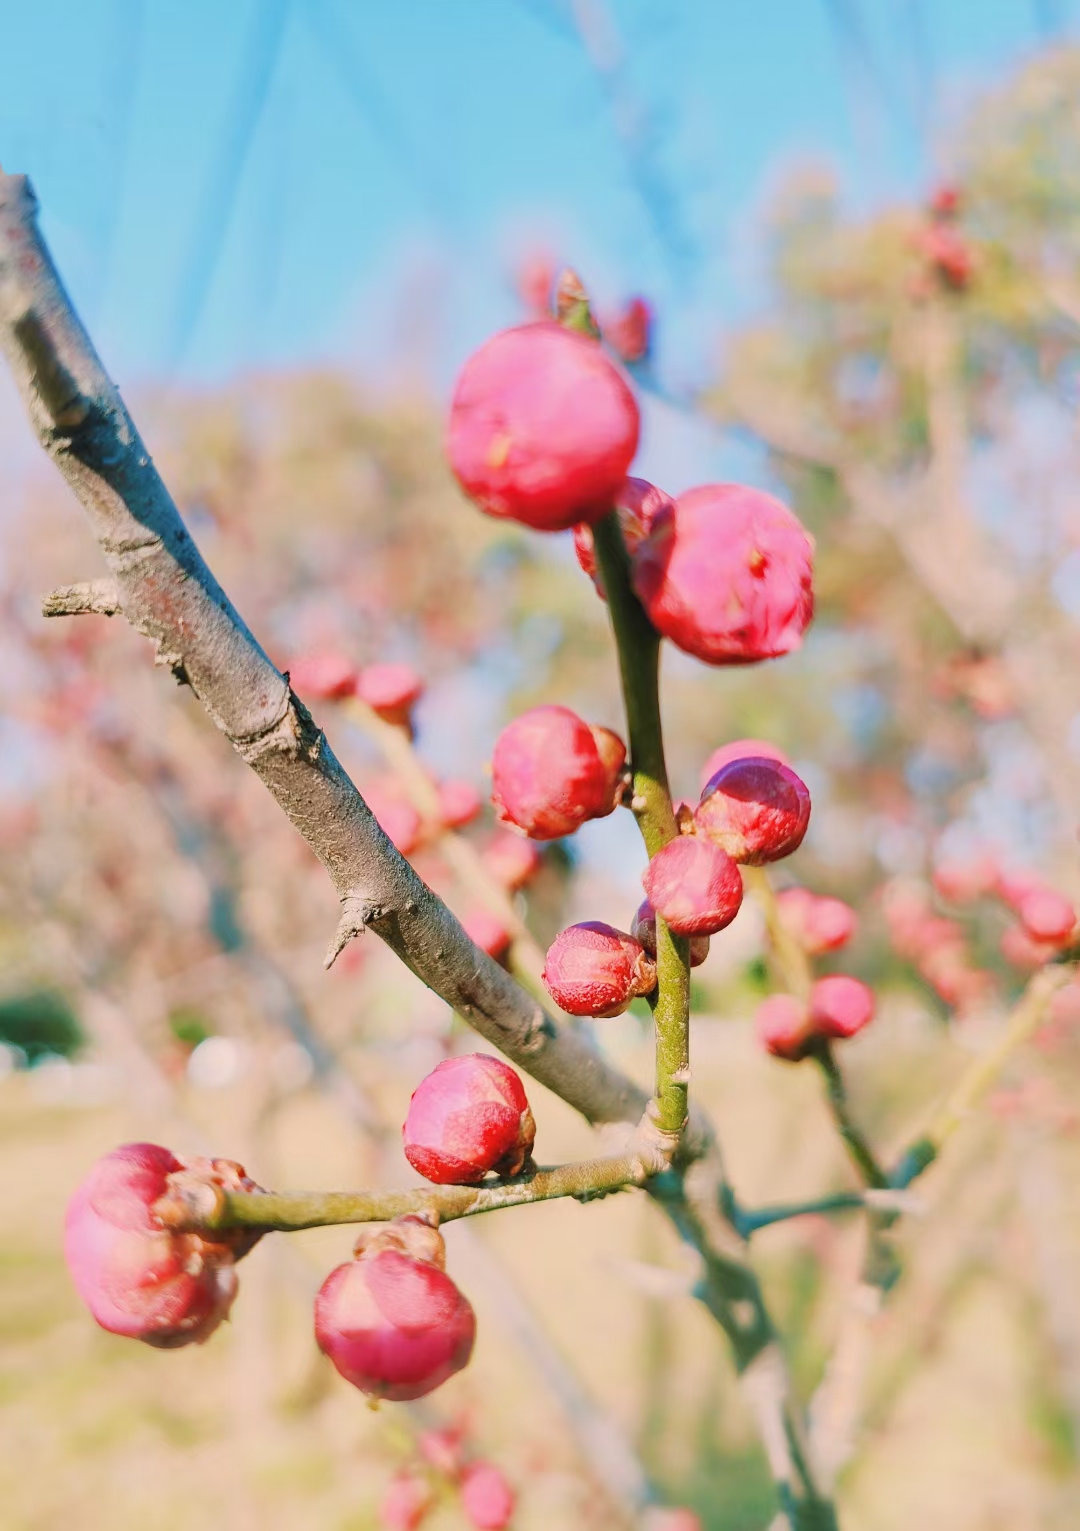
<point>1047,916</point>
<point>644,930</point>
<point>840,1006</point>
<point>542,427</point>
<point>757,810</point>
<point>629,332</point>
<point>405,1503</point>
<point>726,575</point>
<point>487,930</point>
<point>136,1277</point>
<point>323,676</point>
<point>783,1027</point>
<point>391,690</point>
<point>694,886</point>
<point>550,772</point>
<point>486,1497</point>
<point>470,1115</point>
<point>593,969</point>
<point>818,924</point>
<point>511,860</point>
<point>459,803</point>
<point>391,1320</point>
<point>740,749</point>
<point>637,504</point>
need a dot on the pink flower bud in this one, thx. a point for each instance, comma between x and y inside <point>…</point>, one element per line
<point>757,810</point>
<point>136,1277</point>
<point>470,1115</point>
<point>727,575</point>
<point>486,1497</point>
<point>391,1320</point>
<point>511,860</point>
<point>487,930</point>
<point>694,886</point>
<point>629,332</point>
<point>962,882</point>
<point>391,690</point>
<point>644,930</point>
<point>542,427</point>
<point>593,969</point>
<point>637,503</point>
<point>441,1449</point>
<point>459,803</point>
<point>397,817</point>
<point>1022,950</point>
<point>405,1503</point>
<point>1047,916</point>
<point>1013,886</point>
<point>783,1027</point>
<point>740,749</point>
<point>840,1006</point>
<point>550,772</point>
<point>322,676</point>
<point>818,924</point>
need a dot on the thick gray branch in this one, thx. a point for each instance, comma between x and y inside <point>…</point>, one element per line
<point>166,591</point>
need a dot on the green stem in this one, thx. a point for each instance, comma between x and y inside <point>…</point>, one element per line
<point>861,1153</point>
<point>748,1223</point>
<point>638,646</point>
<point>290,1211</point>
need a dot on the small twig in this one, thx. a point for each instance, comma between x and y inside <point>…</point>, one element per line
<point>861,1153</point>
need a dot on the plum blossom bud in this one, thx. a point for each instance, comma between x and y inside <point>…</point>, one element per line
<point>397,817</point>
<point>470,1115</point>
<point>487,930</point>
<point>405,1503</point>
<point>1047,916</point>
<point>459,803</point>
<point>323,676</point>
<point>727,575</point>
<point>1022,950</point>
<point>783,1027</point>
<point>694,886</point>
<point>757,810</point>
<point>818,924</point>
<point>486,1497</point>
<point>511,860</point>
<point>637,505</point>
<point>644,930</point>
<point>391,1320</point>
<point>840,1006</point>
<point>542,427</point>
<point>550,772</point>
<point>391,690</point>
<point>740,749</point>
<point>962,881</point>
<point>629,332</point>
<point>136,1276</point>
<point>594,969</point>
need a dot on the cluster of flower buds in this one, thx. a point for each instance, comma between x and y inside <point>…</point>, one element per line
<point>838,1007</point>
<point>486,1498</point>
<point>389,689</point>
<point>1045,922</point>
<point>137,1276</point>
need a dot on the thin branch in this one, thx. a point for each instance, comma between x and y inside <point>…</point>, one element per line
<point>862,1155</point>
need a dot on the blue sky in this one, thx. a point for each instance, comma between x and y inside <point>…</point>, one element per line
<point>232,182</point>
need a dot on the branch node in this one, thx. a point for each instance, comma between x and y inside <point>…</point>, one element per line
<point>357,913</point>
<point>92,597</point>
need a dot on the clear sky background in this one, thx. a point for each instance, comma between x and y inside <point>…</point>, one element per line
<point>234,183</point>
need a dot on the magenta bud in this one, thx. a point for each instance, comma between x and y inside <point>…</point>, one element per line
<point>783,1027</point>
<point>470,1115</point>
<point>694,886</point>
<point>740,749</point>
<point>322,676</point>
<point>391,690</point>
<point>840,1006</point>
<point>137,1277</point>
<point>637,505</point>
<point>391,1320</point>
<point>644,930</point>
<point>757,810</point>
<point>817,923</point>
<point>594,969</point>
<point>629,332</point>
<point>486,1497</point>
<point>550,772</point>
<point>542,427</point>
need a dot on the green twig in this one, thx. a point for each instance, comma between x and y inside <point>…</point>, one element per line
<point>862,1155</point>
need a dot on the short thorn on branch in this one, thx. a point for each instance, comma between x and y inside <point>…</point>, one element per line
<point>92,597</point>
<point>356,915</point>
